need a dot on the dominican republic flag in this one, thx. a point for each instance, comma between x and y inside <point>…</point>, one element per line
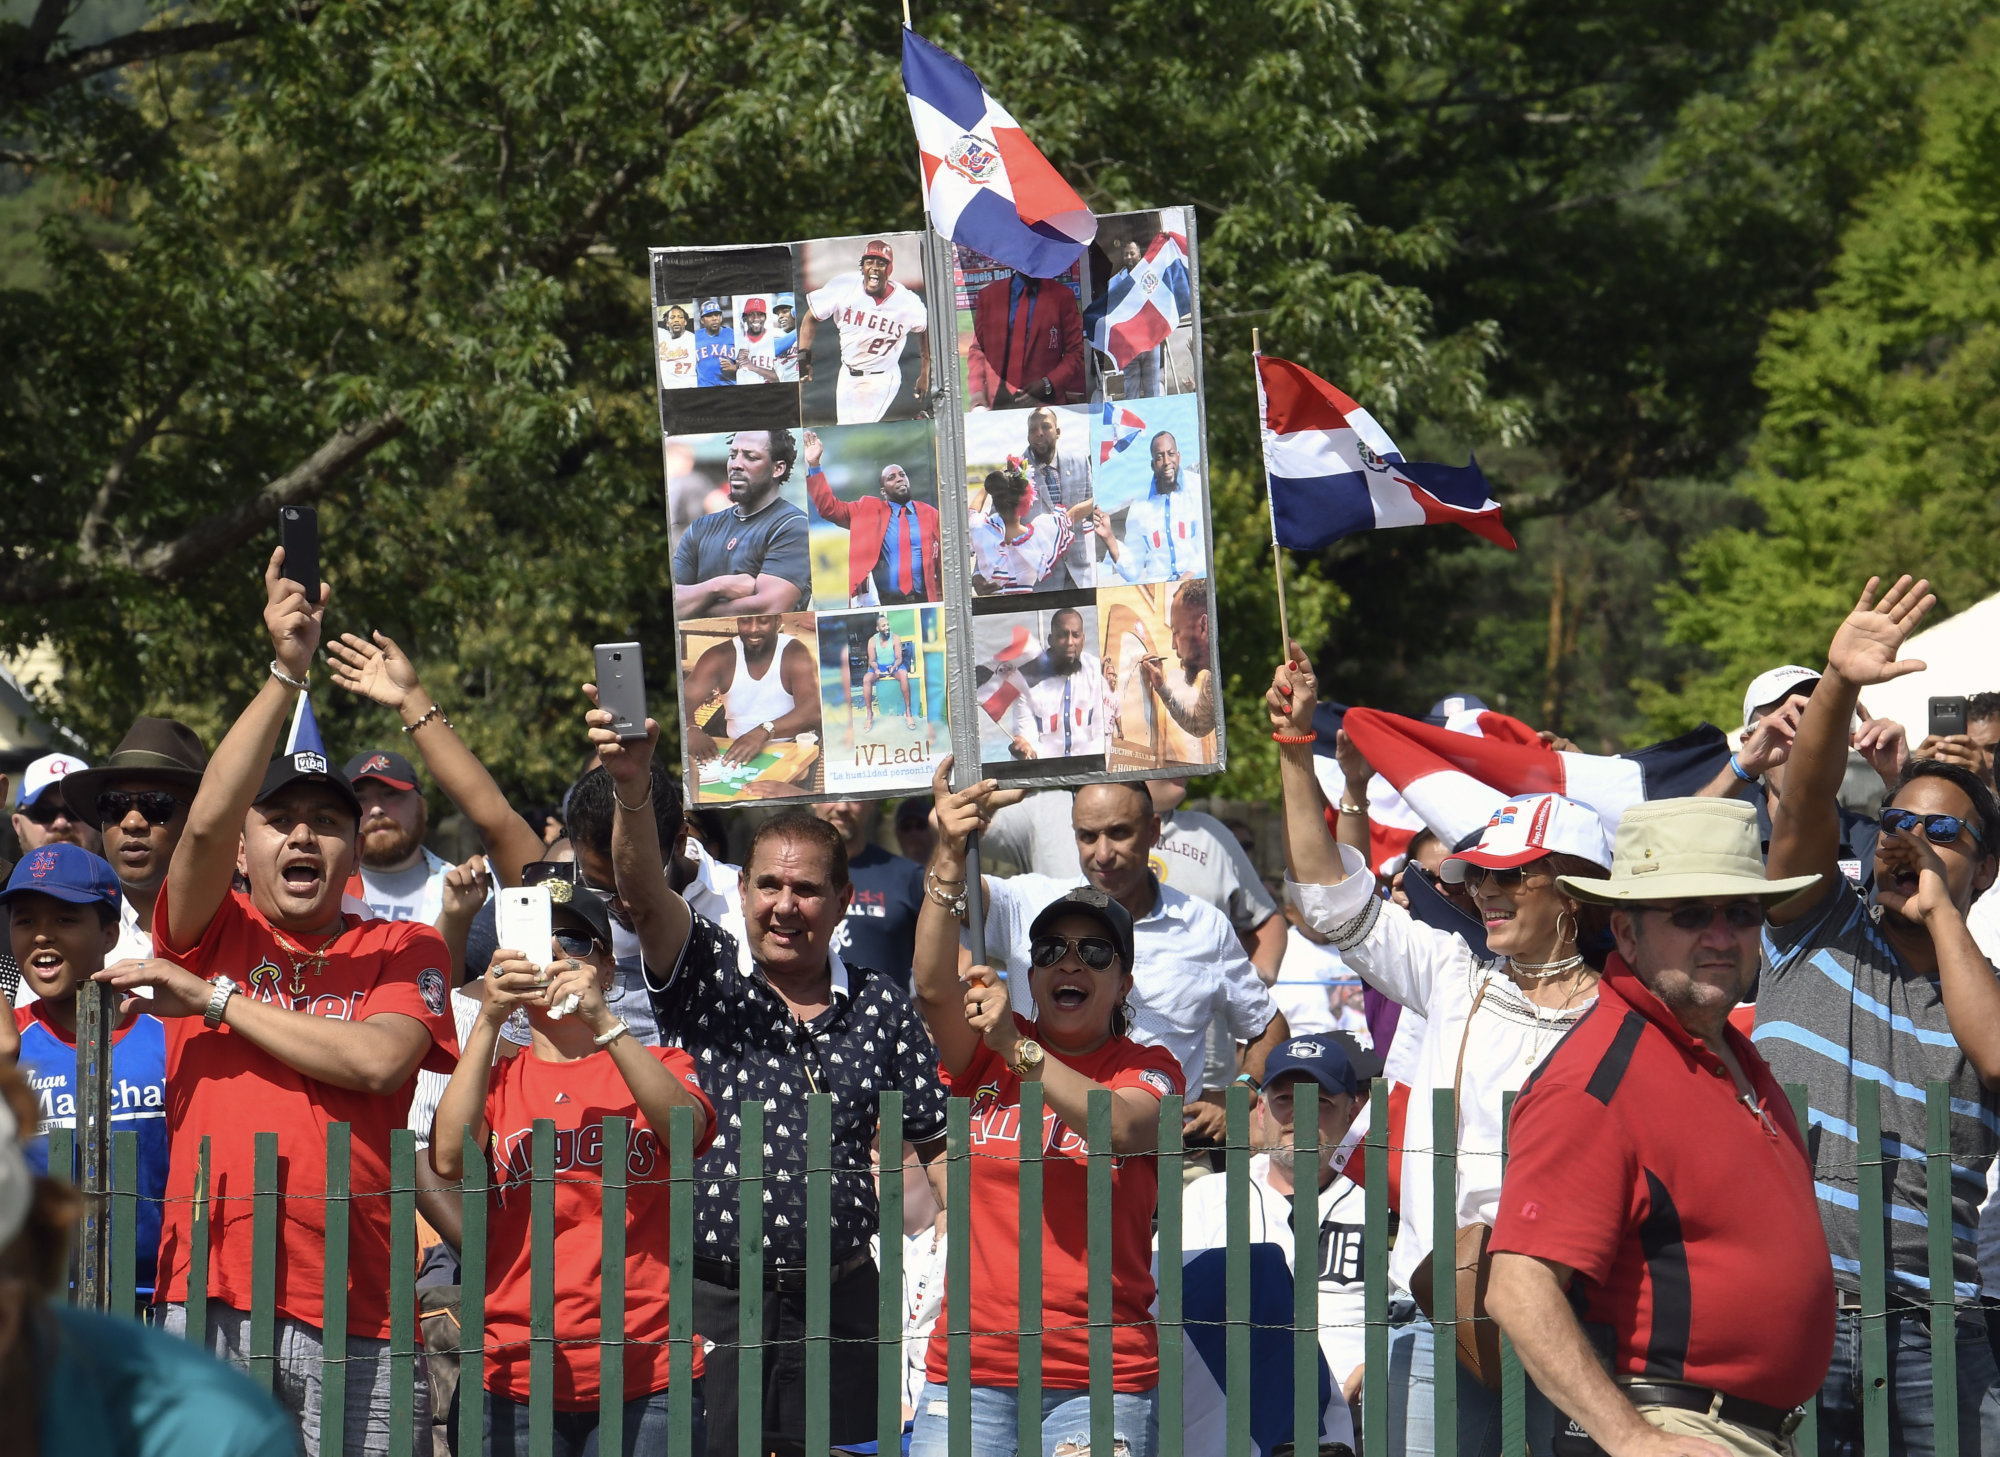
<point>985,184</point>
<point>1124,427</point>
<point>1333,471</point>
<point>998,671</point>
<point>1451,779</point>
<point>1205,1370</point>
<point>1142,305</point>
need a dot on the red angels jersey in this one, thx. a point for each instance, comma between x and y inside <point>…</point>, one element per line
<point>872,330</point>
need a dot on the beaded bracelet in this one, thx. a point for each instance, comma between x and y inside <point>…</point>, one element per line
<point>433,712</point>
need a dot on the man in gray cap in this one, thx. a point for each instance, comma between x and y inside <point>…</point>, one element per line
<point>138,801</point>
<point>1657,1257</point>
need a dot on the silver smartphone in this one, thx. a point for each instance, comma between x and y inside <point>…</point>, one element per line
<point>621,687</point>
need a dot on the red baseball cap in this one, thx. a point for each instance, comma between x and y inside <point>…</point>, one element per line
<point>754,306</point>
<point>879,249</point>
<point>1528,827</point>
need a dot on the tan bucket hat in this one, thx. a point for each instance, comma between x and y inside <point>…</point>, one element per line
<point>1685,849</point>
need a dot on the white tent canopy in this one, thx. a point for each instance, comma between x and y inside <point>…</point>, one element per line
<point>1962,655</point>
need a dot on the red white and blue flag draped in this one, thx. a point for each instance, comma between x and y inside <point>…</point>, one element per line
<point>1333,471</point>
<point>1451,779</point>
<point>1121,427</point>
<point>985,184</point>
<point>1143,304</point>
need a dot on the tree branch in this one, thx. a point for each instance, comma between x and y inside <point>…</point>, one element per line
<point>89,541</point>
<point>219,533</point>
<point>38,74</point>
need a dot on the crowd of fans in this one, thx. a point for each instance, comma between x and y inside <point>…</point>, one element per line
<point>1676,1259</point>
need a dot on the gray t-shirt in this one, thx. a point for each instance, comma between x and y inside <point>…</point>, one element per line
<point>774,541</point>
<point>1196,854</point>
<point>1836,1004</point>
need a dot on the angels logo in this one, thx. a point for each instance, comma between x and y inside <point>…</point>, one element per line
<point>1158,1081</point>
<point>1369,458</point>
<point>973,159</point>
<point>430,986</point>
<point>263,981</point>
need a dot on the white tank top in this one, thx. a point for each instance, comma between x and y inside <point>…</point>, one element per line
<point>753,701</point>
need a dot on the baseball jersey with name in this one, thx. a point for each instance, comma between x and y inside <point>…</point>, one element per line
<point>1019,564</point>
<point>760,351</point>
<point>872,330</point>
<point>222,1087</point>
<point>710,350</point>
<point>676,360</point>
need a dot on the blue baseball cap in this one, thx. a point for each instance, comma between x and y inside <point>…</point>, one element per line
<point>1453,703</point>
<point>712,306</point>
<point>66,873</point>
<point>1328,1058</point>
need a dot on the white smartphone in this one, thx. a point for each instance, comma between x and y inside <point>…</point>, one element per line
<point>524,920</point>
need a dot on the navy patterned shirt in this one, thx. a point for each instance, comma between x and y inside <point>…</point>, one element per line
<point>748,1047</point>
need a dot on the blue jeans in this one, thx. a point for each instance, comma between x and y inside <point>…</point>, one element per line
<point>1912,1418</point>
<point>576,1431</point>
<point>1413,1398</point>
<point>1135,1419</point>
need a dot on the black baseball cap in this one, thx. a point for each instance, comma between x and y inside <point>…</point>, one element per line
<point>314,768</point>
<point>580,903</point>
<point>1088,900</point>
<point>383,764</point>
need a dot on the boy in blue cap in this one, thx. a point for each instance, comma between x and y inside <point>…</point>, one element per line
<point>61,909</point>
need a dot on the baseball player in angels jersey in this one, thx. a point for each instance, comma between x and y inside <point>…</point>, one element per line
<point>875,316</point>
<point>676,349</point>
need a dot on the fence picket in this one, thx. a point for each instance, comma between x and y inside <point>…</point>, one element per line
<point>1028,1406</point>
<point>402,1293</point>
<point>264,1261</point>
<point>1173,1429</point>
<point>1236,1270</point>
<point>1103,1419</point>
<point>124,1208</point>
<point>750,1286</point>
<point>1375,1274</point>
<point>1444,1275</point>
<point>333,1377</point>
<point>1806,1438</point>
<point>1944,1279</point>
<point>680,1291</point>
<point>472,1298</point>
<point>889,1307</point>
<point>542,1291</point>
<point>1305,1266</point>
<point>1513,1380</point>
<point>819,1271</point>
<point>1868,1162</point>
<point>197,1287</point>
<point>611,1292</point>
<point>958,1278</point>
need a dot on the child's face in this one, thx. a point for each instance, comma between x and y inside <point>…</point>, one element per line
<point>57,944</point>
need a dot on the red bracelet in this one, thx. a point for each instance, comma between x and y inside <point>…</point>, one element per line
<point>1295,738</point>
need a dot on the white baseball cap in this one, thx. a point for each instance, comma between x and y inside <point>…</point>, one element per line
<point>1776,684</point>
<point>44,772</point>
<point>1528,827</point>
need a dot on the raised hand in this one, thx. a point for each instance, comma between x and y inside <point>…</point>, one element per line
<point>464,888</point>
<point>1864,649</point>
<point>1293,695</point>
<point>959,812</point>
<point>1769,744</point>
<point>630,764</point>
<point>988,1012</point>
<point>293,622</point>
<point>378,670</point>
<point>814,449</point>
<point>1886,747</point>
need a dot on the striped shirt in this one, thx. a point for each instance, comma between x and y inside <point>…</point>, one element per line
<point>1837,1005</point>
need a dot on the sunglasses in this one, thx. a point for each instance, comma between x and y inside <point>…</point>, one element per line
<point>156,805</point>
<point>47,810</point>
<point>1741,915</point>
<point>575,943</point>
<point>1093,951</point>
<point>1938,829</point>
<point>1512,877</point>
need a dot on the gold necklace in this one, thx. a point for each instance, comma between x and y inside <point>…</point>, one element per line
<point>316,958</point>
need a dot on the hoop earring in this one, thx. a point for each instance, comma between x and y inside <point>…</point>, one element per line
<point>1121,1020</point>
<point>1575,927</point>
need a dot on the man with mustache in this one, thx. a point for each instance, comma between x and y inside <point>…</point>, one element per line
<point>399,879</point>
<point>753,556</point>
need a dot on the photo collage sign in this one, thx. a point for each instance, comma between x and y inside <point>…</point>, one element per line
<point>921,504</point>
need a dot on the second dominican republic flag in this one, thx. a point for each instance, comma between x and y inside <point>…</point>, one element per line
<point>1333,471</point>
<point>1142,304</point>
<point>985,184</point>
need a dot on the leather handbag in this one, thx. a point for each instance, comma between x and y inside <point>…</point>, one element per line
<point>1478,1337</point>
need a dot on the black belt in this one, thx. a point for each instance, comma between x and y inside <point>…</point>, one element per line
<point>1771,1421</point>
<point>787,1278</point>
<point>1893,1300</point>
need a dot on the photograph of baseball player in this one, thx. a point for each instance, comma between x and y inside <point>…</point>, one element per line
<point>1138,319</point>
<point>876,537</point>
<point>1159,661</point>
<point>750,717</point>
<point>882,697</point>
<point>1029,487</point>
<point>1043,697</point>
<point>734,334</point>
<point>1151,523</point>
<point>1020,339</point>
<point>864,338</point>
<point>736,512</point>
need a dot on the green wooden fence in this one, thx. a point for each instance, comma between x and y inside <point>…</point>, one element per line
<point>1304,1325</point>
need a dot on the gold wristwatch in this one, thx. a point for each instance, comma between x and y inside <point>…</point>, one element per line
<point>1028,1059</point>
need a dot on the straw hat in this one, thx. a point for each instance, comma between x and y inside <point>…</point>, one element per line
<point>1686,849</point>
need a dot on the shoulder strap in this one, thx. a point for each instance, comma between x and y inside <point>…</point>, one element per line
<point>1458,1073</point>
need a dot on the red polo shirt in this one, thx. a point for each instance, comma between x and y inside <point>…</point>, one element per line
<point>1689,1220</point>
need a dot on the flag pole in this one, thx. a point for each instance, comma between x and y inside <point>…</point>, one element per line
<point>1277,553</point>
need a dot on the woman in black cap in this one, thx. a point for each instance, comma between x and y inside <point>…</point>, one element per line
<point>583,1067</point>
<point>1080,947</point>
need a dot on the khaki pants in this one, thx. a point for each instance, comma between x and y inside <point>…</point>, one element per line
<point>1714,1429</point>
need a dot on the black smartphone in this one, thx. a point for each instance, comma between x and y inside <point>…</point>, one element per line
<point>621,687</point>
<point>1947,717</point>
<point>298,534</point>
